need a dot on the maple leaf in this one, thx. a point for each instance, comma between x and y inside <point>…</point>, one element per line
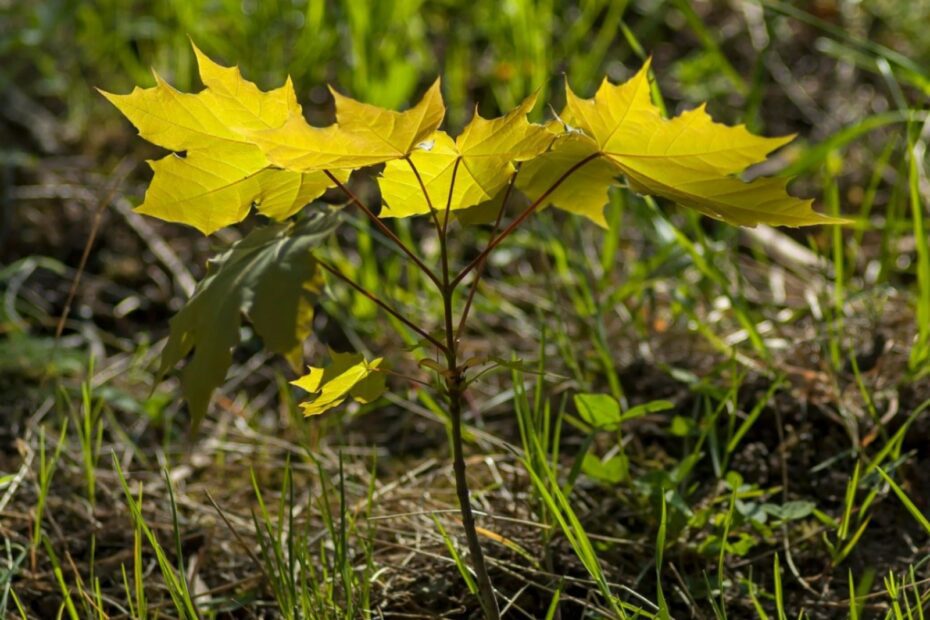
<point>348,376</point>
<point>584,192</point>
<point>689,159</point>
<point>487,212</point>
<point>216,174</point>
<point>272,278</point>
<point>480,160</point>
<point>363,135</point>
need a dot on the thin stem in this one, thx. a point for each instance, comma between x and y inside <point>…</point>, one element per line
<point>445,219</point>
<point>441,229</point>
<point>122,170</point>
<point>480,268</point>
<point>429,202</point>
<point>455,386</point>
<point>384,229</point>
<point>401,375</point>
<point>520,219</point>
<point>382,304</point>
<point>447,291</point>
<point>485,589</point>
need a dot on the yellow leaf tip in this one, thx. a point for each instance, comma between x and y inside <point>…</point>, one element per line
<point>202,58</point>
<point>111,97</point>
<point>159,80</point>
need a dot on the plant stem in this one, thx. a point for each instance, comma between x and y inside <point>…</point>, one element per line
<point>455,386</point>
<point>429,203</point>
<point>483,580</point>
<point>479,270</point>
<point>384,229</point>
<point>382,304</point>
<point>445,219</point>
<point>520,219</point>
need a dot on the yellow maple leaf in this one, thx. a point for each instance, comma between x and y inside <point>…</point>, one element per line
<point>584,192</point>
<point>217,173</point>
<point>348,376</point>
<point>363,135</point>
<point>689,159</point>
<point>629,129</point>
<point>480,160</point>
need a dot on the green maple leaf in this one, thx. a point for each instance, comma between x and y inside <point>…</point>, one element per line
<point>271,277</point>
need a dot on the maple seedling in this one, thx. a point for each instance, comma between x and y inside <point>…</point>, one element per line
<point>236,148</point>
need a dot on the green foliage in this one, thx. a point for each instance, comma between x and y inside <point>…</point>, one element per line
<point>173,575</point>
<point>271,277</point>
<point>333,584</point>
<point>598,410</point>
